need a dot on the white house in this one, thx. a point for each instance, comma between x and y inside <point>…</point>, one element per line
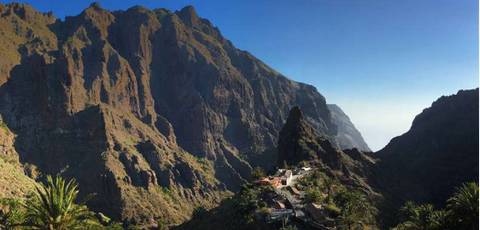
<point>287,177</point>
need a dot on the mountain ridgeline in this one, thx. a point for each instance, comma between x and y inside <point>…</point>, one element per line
<point>152,110</point>
<point>424,165</point>
<point>437,154</point>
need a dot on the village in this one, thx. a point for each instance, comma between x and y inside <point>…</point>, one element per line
<point>286,202</point>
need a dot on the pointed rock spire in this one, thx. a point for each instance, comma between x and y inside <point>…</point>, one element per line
<point>295,116</point>
<point>96,6</point>
<point>189,16</point>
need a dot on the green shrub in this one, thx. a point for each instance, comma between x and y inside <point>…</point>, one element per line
<point>333,210</point>
<point>263,204</point>
<point>258,173</point>
<point>13,214</point>
<point>313,196</point>
<point>248,200</point>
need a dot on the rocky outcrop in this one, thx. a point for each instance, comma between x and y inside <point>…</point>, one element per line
<point>348,136</point>
<point>299,142</point>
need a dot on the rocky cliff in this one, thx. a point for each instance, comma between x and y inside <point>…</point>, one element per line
<point>151,109</point>
<point>437,154</point>
<point>350,136</point>
<point>299,142</point>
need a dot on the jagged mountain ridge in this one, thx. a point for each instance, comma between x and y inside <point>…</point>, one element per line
<point>150,109</point>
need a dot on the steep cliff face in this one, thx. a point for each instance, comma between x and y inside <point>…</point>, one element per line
<point>349,136</point>
<point>437,154</point>
<point>151,109</point>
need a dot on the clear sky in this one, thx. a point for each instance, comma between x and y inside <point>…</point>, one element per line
<point>381,61</point>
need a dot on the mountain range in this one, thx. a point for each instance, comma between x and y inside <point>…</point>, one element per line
<point>153,110</point>
<point>146,108</point>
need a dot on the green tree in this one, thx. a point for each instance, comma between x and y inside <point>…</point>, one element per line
<point>53,207</point>
<point>408,209</point>
<point>311,181</point>
<point>303,163</point>
<point>258,173</point>
<point>248,200</point>
<point>313,196</point>
<point>356,212</point>
<point>423,217</point>
<point>11,214</point>
<point>440,220</point>
<point>463,206</point>
<point>329,185</point>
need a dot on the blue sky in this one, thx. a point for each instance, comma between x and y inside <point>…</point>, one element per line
<point>381,61</point>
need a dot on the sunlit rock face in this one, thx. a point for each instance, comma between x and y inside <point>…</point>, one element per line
<point>152,110</point>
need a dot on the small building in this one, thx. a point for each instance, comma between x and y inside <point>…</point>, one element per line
<point>278,214</point>
<point>294,191</point>
<point>273,181</point>
<point>306,169</point>
<point>287,177</point>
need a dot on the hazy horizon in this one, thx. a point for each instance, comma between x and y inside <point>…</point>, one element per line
<point>382,62</point>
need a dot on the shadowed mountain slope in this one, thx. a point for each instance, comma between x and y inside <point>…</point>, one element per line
<point>151,109</point>
<point>438,153</point>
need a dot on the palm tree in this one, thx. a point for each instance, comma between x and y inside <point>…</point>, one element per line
<point>422,217</point>
<point>356,211</point>
<point>440,220</point>
<point>350,217</point>
<point>53,207</point>
<point>409,208</point>
<point>463,206</point>
<point>11,214</point>
<point>258,173</point>
<point>329,184</point>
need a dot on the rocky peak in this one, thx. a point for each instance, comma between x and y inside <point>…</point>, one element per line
<point>295,116</point>
<point>28,13</point>
<point>96,6</point>
<point>189,16</point>
<point>298,140</point>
